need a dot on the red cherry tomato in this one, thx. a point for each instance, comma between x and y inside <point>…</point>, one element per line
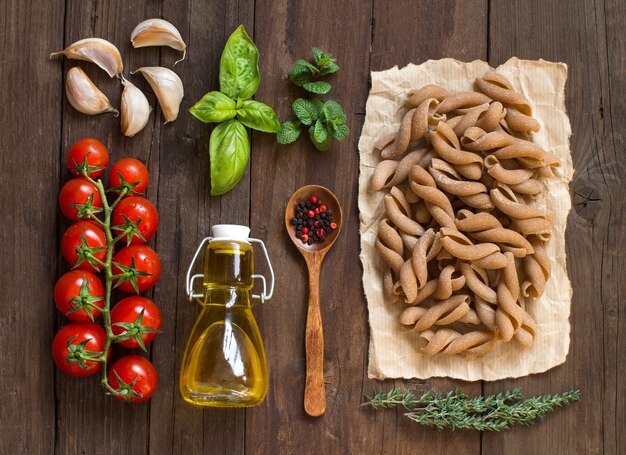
<point>66,358</point>
<point>134,368</point>
<point>132,171</point>
<point>77,191</point>
<point>127,311</point>
<point>79,289</point>
<point>145,260</point>
<point>72,241</point>
<point>137,208</point>
<point>96,153</point>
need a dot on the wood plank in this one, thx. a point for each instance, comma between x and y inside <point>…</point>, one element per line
<point>285,33</point>
<point>87,420</point>
<point>187,213</point>
<point>575,34</point>
<point>29,184</point>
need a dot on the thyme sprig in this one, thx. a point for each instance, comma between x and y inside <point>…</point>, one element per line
<point>454,410</point>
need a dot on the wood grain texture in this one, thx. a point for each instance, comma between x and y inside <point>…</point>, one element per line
<point>44,411</point>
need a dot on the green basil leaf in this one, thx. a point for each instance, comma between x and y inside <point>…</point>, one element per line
<point>289,132</point>
<point>322,146</point>
<point>229,150</point>
<point>319,87</point>
<point>306,110</point>
<point>258,116</point>
<point>339,131</point>
<point>214,107</point>
<point>329,68</point>
<point>300,75</point>
<point>239,66</point>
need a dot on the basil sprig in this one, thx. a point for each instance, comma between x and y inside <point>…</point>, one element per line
<point>232,108</point>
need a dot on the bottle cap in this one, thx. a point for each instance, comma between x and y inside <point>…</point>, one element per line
<point>231,231</point>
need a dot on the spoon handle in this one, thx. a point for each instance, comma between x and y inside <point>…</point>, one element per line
<point>315,390</point>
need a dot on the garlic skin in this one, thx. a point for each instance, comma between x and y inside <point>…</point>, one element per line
<point>135,109</point>
<point>95,50</point>
<point>167,87</point>
<point>158,32</point>
<point>84,96</point>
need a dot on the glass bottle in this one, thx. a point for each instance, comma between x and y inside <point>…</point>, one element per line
<point>224,363</point>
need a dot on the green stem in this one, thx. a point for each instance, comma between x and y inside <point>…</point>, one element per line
<point>106,310</point>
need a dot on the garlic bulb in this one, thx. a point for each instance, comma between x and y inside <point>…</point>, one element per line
<point>135,109</point>
<point>95,50</point>
<point>167,87</point>
<point>158,32</point>
<point>84,96</point>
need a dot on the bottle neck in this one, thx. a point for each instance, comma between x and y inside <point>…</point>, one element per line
<point>228,296</point>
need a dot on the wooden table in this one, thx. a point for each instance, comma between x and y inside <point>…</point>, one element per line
<point>43,411</point>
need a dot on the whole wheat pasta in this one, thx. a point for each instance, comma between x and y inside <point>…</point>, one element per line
<point>447,146</point>
<point>400,213</point>
<point>507,176</point>
<point>521,122</point>
<point>463,248</point>
<point>416,97</point>
<point>490,119</point>
<point>462,100</point>
<point>451,342</point>
<point>537,270</point>
<point>498,88</point>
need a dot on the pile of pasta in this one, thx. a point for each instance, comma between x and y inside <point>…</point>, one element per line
<point>465,250</point>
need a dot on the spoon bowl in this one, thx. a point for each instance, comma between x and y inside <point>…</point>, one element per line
<point>314,390</point>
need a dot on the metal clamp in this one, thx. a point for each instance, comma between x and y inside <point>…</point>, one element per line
<point>191,278</point>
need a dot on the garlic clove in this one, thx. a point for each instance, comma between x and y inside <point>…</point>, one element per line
<point>167,87</point>
<point>95,50</point>
<point>135,109</point>
<point>158,32</point>
<point>83,94</point>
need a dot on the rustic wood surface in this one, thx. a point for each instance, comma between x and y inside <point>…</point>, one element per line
<point>43,411</point>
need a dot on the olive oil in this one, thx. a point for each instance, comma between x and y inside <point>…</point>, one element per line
<point>224,362</point>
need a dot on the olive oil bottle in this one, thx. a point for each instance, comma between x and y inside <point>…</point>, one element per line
<point>224,363</point>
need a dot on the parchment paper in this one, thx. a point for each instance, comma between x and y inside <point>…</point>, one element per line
<point>394,352</point>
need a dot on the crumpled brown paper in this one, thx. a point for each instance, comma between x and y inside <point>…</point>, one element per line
<point>394,351</point>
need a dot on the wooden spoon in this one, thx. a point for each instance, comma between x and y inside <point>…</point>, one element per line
<point>314,391</point>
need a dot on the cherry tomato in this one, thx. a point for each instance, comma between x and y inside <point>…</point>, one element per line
<point>80,289</point>
<point>77,191</point>
<point>127,311</point>
<point>66,357</point>
<point>145,260</point>
<point>132,171</point>
<point>96,153</point>
<point>72,241</point>
<point>129,369</point>
<point>137,208</point>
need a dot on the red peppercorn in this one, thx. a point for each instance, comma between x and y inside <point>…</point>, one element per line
<point>317,210</point>
<point>313,199</point>
<point>320,232</point>
<point>333,225</point>
<point>310,213</point>
<point>305,230</point>
<point>304,238</point>
<point>322,208</point>
<point>316,224</point>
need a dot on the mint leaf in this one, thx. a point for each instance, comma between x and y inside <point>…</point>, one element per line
<point>258,116</point>
<point>319,87</point>
<point>310,66</point>
<point>339,131</point>
<point>306,110</point>
<point>214,107</point>
<point>300,75</point>
<point>289,132</point>
<point>317,54</point>
<point>329,68</point>
<point>332,111</point>
<point>315,134</point>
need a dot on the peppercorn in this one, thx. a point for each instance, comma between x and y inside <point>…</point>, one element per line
<point>313,199</point>
<point>333,226</point>
<point>310,213</point>
<point>305,230</point>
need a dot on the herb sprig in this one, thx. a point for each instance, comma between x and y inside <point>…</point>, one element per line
<point>324,118</point>
<point>455,411</point>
